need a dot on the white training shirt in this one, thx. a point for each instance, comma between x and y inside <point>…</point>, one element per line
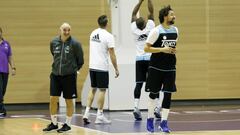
<point>140,37</point>
<point>100,41</point>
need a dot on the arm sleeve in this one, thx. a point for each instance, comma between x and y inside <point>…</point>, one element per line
<point>152,37</point>
<point>133,26</point>
<point>10,50</point>
<point>79,55</point>
<point>150,24</point>
<point>177,33</point>
<point>111,42</point>
<point>51,48</point>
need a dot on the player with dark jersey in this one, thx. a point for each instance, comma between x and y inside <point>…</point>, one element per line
<point>161,43</point>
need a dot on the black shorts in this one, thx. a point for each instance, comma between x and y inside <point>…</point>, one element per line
<point>161,80</point>
<point>99,79</point>
<point>66,84</point>
<point>141,70</point>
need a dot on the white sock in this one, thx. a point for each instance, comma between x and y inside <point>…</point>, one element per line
<point>136,103</point>
<point>157,102</point>
<point>99,112</point>
<point>54,119</point>
<point>68,121</point>
<point>165,113</point>
<point>86,114</point>
<point>151,106</point>
<point>160,99</point>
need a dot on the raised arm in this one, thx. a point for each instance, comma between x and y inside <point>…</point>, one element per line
<point>151,10</point>
<point>135,10</point>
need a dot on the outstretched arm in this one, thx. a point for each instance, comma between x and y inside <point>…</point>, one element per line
<point>150,9</point>
<point>135,10</point>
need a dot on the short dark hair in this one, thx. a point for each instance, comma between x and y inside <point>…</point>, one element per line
<point>102,21</point>
<point>140,22</point>
<point>164,12</point>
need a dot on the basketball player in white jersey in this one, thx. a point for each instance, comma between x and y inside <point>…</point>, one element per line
<point>140,29</point>
<point>101,46</point>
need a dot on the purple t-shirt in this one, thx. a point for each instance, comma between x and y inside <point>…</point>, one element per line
<point>5,52</point>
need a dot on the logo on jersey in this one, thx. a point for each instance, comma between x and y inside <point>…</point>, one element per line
<point>164,37</point>
<point>56,49</point>
<point>169,43</point>
<point>6,46</point>
<point>142,37</point>
<point>67,49</point>
<point>95,38</point>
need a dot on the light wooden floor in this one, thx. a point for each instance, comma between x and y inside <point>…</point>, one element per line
<point>34,126</point>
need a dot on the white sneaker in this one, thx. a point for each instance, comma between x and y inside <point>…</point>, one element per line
<point>85,119</point>
<point>102,120</point>
<point>137,114</point>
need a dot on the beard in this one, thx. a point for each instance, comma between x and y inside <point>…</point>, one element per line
<point>171,22</point>
<point>66,35</point>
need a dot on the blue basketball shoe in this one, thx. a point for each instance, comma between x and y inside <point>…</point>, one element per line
<point>164,126</point>
<point>150,125</point>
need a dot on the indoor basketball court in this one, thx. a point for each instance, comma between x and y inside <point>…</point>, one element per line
<point>207,70</point>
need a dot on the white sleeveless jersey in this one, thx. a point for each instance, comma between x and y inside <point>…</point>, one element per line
<point>100,41</point>
<point>140,37</point>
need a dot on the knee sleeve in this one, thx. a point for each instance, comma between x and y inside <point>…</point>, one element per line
<point>167,100</point>
<point>137,90</point>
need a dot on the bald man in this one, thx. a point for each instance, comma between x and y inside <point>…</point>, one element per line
<point>67,60</point>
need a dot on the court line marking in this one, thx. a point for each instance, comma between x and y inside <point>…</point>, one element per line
<point>201,112</point>
<point>27,116</point>
<point>213,121</point>
<point>145,112</point>
<point>205,131</point>
<point>137,133</point>
<point>181,132</point>
<point>234,111</point>
<point>122,120</point>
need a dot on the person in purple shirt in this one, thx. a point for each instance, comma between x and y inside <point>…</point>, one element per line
<point>5,60</point>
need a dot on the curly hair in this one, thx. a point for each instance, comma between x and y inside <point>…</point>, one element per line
<point>164,12</point>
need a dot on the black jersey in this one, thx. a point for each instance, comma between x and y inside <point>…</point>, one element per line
<point>166,37</point>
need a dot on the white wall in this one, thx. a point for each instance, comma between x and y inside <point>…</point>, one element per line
<point>120,94</point>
